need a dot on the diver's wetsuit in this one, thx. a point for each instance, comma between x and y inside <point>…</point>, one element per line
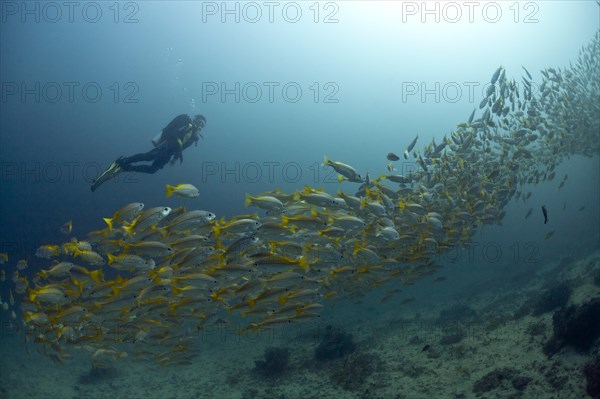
<point>159,156</point>
<point>168,147</point>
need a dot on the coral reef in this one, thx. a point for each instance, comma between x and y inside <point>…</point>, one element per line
<point>335,344</point>
<point>576,326</point>
<point>275,363</point>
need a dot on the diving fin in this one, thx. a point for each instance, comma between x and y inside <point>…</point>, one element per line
<point>111,172</point>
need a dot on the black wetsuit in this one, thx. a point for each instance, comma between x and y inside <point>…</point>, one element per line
<point>168,147</point>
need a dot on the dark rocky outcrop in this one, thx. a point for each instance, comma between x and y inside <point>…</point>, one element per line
<point>592,375</point>
<point>275,363</point>
<point>494,380</point>
<point>553,298</point>
<point>576,326</point>
<point>501,378</point>
<point>335,344</point>
<point>98,375</point>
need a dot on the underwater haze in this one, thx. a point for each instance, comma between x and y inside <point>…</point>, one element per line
<point>394,199</point>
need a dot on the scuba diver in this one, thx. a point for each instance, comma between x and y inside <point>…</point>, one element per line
<point>178,135</point>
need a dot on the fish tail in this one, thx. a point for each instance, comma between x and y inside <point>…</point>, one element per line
<point>170,190</point>
<point>128,229</point>
<point>153,273</point>
<point>78,284</point>
<point>116,291</point>
<point>96,276</point>
<point>363,203</point>
<point>111,258</point>
<point>59,330</point>
<point>282,300</point>
<point>108,221</point>
<point>304,264</point>
<point>248,201</point>
<point>27,316</point>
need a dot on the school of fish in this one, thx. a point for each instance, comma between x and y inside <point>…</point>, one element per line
<point>147,282</point>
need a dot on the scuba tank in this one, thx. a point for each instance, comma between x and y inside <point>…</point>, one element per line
<point>156,140</point>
